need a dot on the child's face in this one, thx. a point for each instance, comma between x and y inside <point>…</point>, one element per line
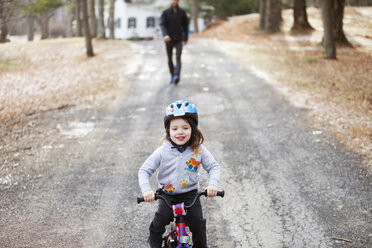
<point>180,131</point>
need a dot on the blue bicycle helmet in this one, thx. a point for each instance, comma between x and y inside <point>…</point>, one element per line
<point>178,109</point>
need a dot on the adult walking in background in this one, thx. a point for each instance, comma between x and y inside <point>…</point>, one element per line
<point>174,25</point>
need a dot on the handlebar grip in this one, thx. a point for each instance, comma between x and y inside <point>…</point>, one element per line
<point>221,193</point>
<point>140,199</point>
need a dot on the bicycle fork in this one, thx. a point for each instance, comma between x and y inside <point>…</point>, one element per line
<point>183,237</point>
<point>178,236</point>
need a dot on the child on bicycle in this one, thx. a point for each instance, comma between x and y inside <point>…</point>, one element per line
<point>178,159</point>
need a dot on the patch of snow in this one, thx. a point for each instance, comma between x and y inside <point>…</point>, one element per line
<point>365,11</point>
<point>144,76</point>
<point>315,37</point>
<point>302,48</point>
<point>317,132</point>
<point>81,107</point>
<point>304,38</point>
<point>141,109</point>
<point>22,38</point>
<point>366,43</point>
<point>261,74</point>
<point>136,61</point>
<point>151,68</point>
<point>76,129</point>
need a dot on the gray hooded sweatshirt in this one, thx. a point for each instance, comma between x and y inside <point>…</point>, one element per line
<point>178,172</point>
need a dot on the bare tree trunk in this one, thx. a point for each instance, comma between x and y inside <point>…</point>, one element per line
<point>71,18</point>
<point>273,16</point>
<point>262,14</point>
<point>92,17</point>
<point>79,31</point>
<point>101,20</point>
<point>43,21</point>
<point>111,19</point>
<point>195,15</point>
<point>328,40</point>
<point>301,23</point>
<point>88,39</point>
<point>339,34</point>
<point>30,27</point>
<point>4,33</point>
<point>3,22</point>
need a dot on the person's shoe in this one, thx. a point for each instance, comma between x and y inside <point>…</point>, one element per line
<point>171,80</point>
<point>176,79</point>
<point>155,241</point>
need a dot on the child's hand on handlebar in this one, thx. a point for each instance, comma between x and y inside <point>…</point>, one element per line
<point>211,191</point>
<point>149,196</point>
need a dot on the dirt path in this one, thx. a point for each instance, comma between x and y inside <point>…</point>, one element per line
<point>287,185</point>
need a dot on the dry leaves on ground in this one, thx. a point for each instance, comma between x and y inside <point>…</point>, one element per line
<point>52,74</point>
<point>339,93</point>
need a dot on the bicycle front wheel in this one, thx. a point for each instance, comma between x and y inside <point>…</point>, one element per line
<point>171,241</point>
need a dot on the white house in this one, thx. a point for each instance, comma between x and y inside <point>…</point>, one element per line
<point>140,18</point>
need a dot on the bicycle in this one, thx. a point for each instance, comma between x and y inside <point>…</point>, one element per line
<point>178,237</point>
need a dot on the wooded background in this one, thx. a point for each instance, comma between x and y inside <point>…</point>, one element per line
<point>18,17</point>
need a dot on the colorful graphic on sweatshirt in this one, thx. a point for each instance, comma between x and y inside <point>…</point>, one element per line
<point>169,189</point>
<point>192,165</point>
<point>184,183</point>
<point>196,152</point>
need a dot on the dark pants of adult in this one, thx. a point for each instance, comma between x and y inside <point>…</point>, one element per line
<point>174,71</point>
<point>194,218</point>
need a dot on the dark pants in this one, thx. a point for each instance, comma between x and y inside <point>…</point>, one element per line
<point>194,218</point>
<point>174,71</point>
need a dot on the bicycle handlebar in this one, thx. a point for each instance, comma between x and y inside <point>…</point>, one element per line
<point>159,196</point>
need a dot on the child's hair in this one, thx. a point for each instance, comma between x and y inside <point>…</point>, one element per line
<point>197,137</point>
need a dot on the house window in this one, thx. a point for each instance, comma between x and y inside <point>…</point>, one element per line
<point>150,22</point>
<point>118,23</point>
<point>132,22</point>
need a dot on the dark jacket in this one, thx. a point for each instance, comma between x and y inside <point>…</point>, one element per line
<point>175,24</point>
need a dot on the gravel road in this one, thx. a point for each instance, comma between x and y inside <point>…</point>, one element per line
<point>287,184</point>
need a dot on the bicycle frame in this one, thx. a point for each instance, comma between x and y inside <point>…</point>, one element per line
<point>178,237</point>
<point>182,239</point>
